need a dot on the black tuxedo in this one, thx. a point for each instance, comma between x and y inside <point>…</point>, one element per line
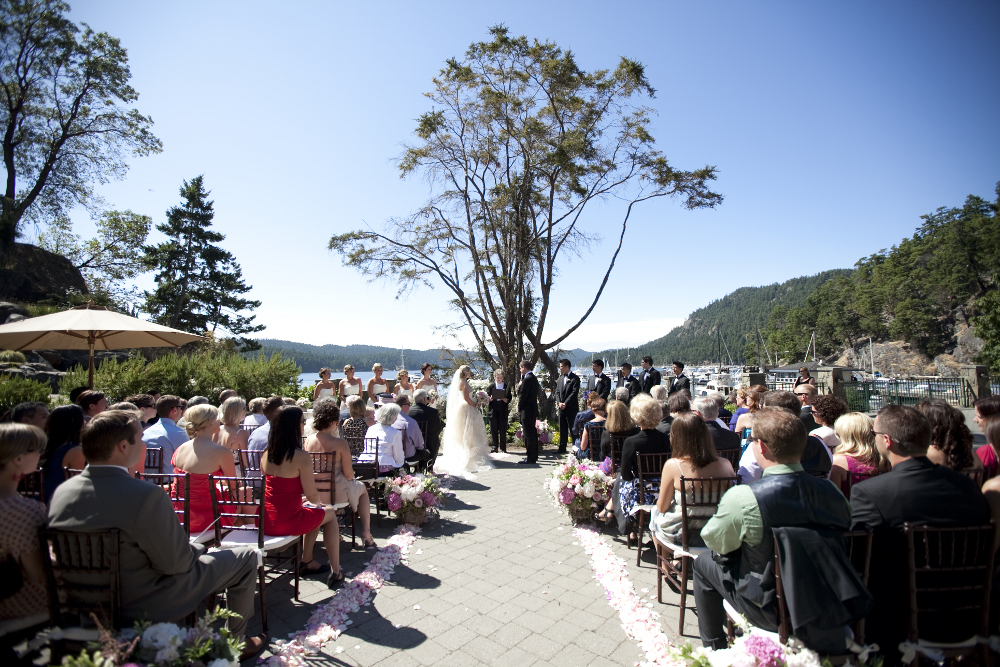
<point>722,438</point>
<point>916,491</point>
<point>527,409</point>
<point>601,384</point>
<point>650,379</point>
<point>498,411</point>
<point>679,383</point>
<point>420,412</point>
<point>806,415</point>
<point>634,388</point>
<point>568,392</point>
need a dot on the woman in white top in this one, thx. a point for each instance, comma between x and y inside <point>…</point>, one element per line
<point>826,410</point>
<point>427,382</point>
<point>325,387</point>
<point>377,385</point>
<point>403,385</point>
<point>390,440</point>
<point>350,385</point>
<point>256,415</point>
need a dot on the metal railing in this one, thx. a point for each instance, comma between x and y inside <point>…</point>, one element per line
<point>995,385</point>
<point>789,385</point>
<point>872,395</point>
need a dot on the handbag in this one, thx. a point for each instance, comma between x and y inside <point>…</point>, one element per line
<point>606,466</point>
<point>11,578</point>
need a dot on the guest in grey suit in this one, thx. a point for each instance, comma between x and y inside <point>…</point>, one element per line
<point>163,577</point>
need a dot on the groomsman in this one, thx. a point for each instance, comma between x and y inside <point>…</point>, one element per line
<point>498,410</point>
<point>629,381</point>
<point>599,382</point>
<point>680,381</point>
<point>527,407</point>
<point>568,396</point>
<point>650,376</point>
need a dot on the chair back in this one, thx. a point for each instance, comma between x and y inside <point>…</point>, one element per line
<point>950,570</point>
<point>732,455</point>
<point>83,575</point>
<point>594,433</point>
<point>784,626</point>
<point>250,460</point>
<point>69,473</point>
<point>699,492</point>
<point>356,445</point>
<point>617,446</point>
<point>323,464</point>
<point>250,427</point>
<point>859,550</point>
<point>650,473</point>
<point>30,486</point>
<point>853,478</point>
<point>154,459</point>
<point>178,487</point>
<point>366,464</point>
<point>230,497</point>
<point>977,475</point>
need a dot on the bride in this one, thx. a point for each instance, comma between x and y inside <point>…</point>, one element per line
<point>464,445</point>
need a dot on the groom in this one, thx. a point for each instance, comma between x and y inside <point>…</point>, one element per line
<point>527,406</point>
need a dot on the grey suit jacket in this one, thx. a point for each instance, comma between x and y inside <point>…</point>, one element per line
<point>163,577</point>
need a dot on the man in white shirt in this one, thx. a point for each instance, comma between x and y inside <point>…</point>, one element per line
<point>165,433</point>
<point>413,442</point>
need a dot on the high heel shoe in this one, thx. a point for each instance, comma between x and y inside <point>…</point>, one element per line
<point>305,570</point>
<point>335,579</point>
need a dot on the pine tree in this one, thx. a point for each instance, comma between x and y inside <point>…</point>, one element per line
<point>199,286</point>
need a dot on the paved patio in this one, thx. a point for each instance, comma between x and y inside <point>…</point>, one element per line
<point>497,581</point>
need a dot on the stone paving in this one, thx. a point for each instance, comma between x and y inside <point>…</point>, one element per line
<point>499,580</point>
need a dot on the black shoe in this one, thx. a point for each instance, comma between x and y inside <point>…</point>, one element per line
<point>504,450</point>
<point>524,462</point>
<point>493,450</point>
<point>335,579</point>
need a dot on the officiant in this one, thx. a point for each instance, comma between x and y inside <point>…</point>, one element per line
<point>498,410</point>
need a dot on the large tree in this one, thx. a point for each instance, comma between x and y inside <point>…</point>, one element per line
<point>199,286</point>
<point>65,113</point>
<point>520,144</point>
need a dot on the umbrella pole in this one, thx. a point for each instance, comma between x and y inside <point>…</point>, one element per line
<point>90,372</point>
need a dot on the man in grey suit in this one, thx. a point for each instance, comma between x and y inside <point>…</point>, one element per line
<point>163,577</point>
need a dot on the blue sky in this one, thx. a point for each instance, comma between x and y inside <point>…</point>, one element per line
<point>834,126</point>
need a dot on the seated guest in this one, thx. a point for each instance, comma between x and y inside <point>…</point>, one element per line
<point>991,429</point>
<point>92,403</point>
<point>740,399</point>
<point>916,491</point>
<point>414,451</point>
<point>646,413</point>
<point>165,433</point>
<point>597,407</point>
<point>661,397</point>
<point>692,457</point>
<point>197,400</point>
<point>856,454</point>
<point>31,413</point>
<point>658,392</point>
<point>74,394</point>
<point>355,426</point>
<point>326,420</point>
<point>708,409</point>
<point>256,415</point>
<point>201,456</point>
<point>984,409</point>
<point>21,446</point>
<point>621,394</point>
<point>744,423</point>
<point>619,423</point>
<point>163,577</point>
<point>62,449</point>
<point>226,394</point>
<point>720,402</point>
<point>288,472</point>
<point>231,435</point>
<point>582,418</point>
<point>951,440</point>
<point>806,393</point>
<point>423,411</point>
<point>390,440</point>
<point>125,405</point>
<point>146,405</point>
<point>369,416</point>
<point>677,404</point>
<point>815,458</point>
<point>740,571</point>
<point>825,412</point>
<point>259,438</point>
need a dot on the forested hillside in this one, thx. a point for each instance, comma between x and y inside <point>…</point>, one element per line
<point>313,357</point>
<point>735,315</point>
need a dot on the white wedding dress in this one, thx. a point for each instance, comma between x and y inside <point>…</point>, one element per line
<point>465,447</point>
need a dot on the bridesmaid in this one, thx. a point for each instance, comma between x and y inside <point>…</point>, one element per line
<point>325,387</point>
<point>350,385</point>
<point>377,385</point>
<point>427,382</point>
<point>403,385</point>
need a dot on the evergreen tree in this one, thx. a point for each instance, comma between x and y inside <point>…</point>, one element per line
<point>199,286</point>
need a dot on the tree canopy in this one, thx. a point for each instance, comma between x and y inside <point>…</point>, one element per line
<point>65,112</point>
<point>519,145</point>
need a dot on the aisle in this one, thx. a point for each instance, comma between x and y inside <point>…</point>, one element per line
<point>499,581</point>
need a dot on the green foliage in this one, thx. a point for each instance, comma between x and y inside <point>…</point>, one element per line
<point>987,327</point>
<point>13,355</point>
<point>204,373</point>
<point>15,389</point>
<point>67,114</point>
<point>85,659</point>
<point>198,284</point>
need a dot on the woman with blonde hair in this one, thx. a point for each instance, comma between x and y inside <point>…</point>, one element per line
<point>856,454</point>
<point>21,446</point>
<point>231,435</point>
<point>377,385</point>
<point>350,385</point>
<point>755,394</point>
<point>619,423</point>
<point>741,406</point>
<point>403,385</point>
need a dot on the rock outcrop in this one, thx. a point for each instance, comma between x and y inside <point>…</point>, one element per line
<point>33,274</point>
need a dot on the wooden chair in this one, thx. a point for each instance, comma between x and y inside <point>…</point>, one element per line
<point>617,446</point>
<point>250,427</point>
<point>154,459</point>
<point>323,472</point>
<point>732,455</point>
<point>31,486</point>
<point>852,479</point>
<point>250,461</point>
<point>366,470</point>
<point>228,509</point>
<point>859,550</point>
<point>84,577</point>
<point>178,487</point>
<point>950,570</point>
<point>674,562</point>
<point>648,490</point>
<point>594,433</point>
<point>356,445</point>
<point>977,475</point>
<point>69,473</point>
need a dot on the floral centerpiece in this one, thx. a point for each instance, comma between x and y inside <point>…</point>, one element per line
<point>410,496</point>
<point>543,429</point>
<point>165,645</point>
<point>579,486</point>
<point>304,403</point>
<point>751,650</point>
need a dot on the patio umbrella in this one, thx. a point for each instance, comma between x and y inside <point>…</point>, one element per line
<point>89,327</point>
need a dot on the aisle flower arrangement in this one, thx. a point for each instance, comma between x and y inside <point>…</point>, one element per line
<point>544,430</point>
<point>580,487</point>
<point>410,496</point>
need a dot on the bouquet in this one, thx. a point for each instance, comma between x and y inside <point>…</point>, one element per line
<point>579,485</point>
<point>409,492</point>
<point>482,398</point>
<point>543,430</point>
<point>304,403</point>
<point>753,649</point>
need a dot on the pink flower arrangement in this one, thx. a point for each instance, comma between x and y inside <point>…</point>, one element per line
<point>566,496</point>
<point>579,484</point>
<point>482,398</point>
<point>413,491</point>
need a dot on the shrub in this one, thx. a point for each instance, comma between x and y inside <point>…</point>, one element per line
<point>15,389</point>
<point>204,373</point>
<point>13,356</point>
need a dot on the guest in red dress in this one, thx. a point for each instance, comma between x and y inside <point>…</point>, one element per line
<point>288,474</point>
<point>202,457</point>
